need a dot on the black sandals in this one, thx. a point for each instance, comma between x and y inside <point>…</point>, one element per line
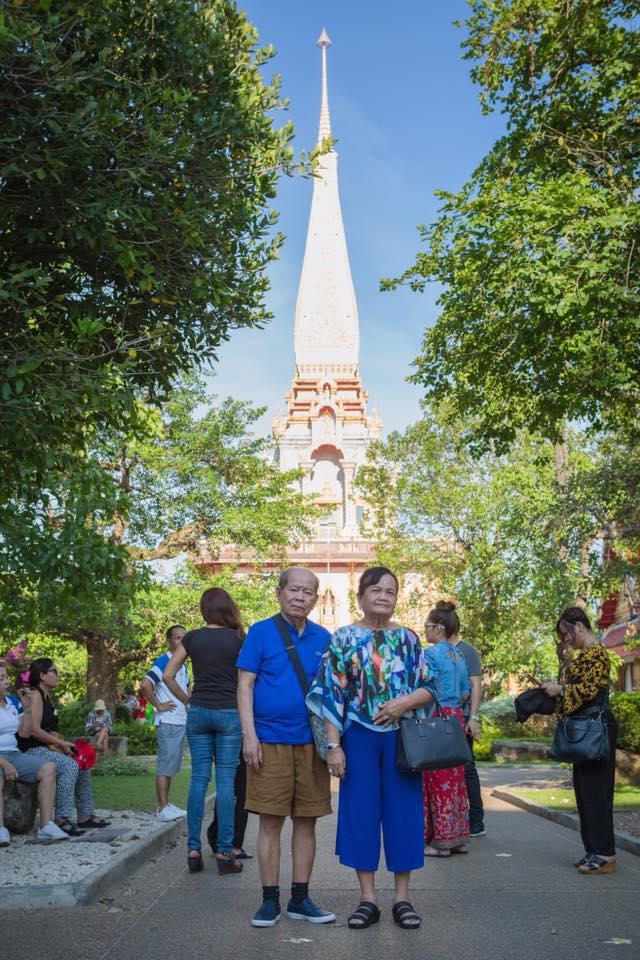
<point>405,916</point>
<point>365,914</point>
<point>93,822</point>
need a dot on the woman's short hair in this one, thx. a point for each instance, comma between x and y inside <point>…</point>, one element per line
<point>218,607</point>
<point>37,668</point>
<point>374,575</point>
<point>571,616</point>
<point>445,614</point>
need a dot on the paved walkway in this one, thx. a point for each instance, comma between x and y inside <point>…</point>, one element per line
<point>515,896</point>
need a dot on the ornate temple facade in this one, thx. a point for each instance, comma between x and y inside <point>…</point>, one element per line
<point>326,427</point>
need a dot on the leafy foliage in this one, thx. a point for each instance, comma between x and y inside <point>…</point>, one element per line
<point>626,709</point>
<point>137,158</point>
<point>538,254</point>
<point>498,533</point>
<point>120,767</point>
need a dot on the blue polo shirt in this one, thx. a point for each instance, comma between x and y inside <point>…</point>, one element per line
<point>279,710</point>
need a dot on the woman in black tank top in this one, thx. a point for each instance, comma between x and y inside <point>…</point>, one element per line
<point>45,741</point>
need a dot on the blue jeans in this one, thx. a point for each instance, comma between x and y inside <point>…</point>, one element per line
<point>214,736</point>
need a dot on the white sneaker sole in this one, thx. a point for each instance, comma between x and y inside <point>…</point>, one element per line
<point>265,923</point>
<point>329,918</point>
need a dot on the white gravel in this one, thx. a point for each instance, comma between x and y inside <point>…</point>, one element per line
<point>32,864</point>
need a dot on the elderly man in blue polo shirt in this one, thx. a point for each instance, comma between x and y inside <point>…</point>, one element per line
<point>285,775</point>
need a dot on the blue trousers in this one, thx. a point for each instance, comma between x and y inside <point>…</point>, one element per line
<point>375,795</point>
<point>214,736</point>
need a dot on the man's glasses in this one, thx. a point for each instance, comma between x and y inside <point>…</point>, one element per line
<point>52,670</point>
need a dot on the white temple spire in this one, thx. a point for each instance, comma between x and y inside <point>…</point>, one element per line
<point>326,323</point>
<point>324,129</point>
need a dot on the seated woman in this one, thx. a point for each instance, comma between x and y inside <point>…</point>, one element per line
<point>46,744</point>
<point>372,673</point>
<point>99,725</point>
<point>15,765</point>
<point>585,692</point>
<point>446,803</point>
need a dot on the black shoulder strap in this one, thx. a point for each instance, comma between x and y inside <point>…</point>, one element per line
<point>292,653</point>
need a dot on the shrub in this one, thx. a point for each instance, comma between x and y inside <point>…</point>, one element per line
<point>626,709</point>
<point>120,767</point>
<point>142,739</point>
<point>72,718</point>
<point>500,714</point>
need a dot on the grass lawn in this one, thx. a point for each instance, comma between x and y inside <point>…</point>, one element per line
<point>138,792</point>
<point>624,798</point>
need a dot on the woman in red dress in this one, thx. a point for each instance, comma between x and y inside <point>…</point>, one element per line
<point>444,792</point>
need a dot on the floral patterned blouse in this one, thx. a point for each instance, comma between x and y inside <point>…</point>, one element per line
<point>362,669</point>
<point>585,676</point>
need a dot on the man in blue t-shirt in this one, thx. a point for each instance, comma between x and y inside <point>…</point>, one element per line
<point>285,775</point>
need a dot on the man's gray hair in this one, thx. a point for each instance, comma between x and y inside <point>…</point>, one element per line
<point>284,577</point>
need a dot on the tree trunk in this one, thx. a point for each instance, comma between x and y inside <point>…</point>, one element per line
<point>102,670</point>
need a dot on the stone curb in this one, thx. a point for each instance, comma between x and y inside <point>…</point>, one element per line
<point>89,889</point>
<point>623,840</point>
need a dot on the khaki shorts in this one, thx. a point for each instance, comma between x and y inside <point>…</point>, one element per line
<point>292,781</point>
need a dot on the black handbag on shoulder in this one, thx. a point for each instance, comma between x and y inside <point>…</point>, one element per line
<point>430,741</point>
<point>582,738</point>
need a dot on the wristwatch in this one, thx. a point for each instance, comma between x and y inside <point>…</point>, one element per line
<point>332,746</point>
<point>475,716</point>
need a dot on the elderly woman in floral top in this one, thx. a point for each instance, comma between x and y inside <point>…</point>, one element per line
<point>372,673</point>
<point>584,692</point>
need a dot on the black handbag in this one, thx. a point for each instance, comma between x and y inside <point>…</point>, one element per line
<point>430,741</point>
<point>316,723</point>
<point>582,738</point>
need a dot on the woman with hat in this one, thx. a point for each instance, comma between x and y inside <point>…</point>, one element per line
<point>99,725</point>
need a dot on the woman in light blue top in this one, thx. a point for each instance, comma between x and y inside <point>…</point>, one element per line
<point>446,804</point>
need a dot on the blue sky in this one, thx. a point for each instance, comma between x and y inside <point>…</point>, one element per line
<point>407,120</point>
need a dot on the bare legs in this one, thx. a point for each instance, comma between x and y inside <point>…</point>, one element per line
<point>162,791</point>
<point>46,793</point>
<point>367,881</point>
<point>303,848</point>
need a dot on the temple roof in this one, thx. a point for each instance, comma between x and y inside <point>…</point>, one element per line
<point>326,319</point>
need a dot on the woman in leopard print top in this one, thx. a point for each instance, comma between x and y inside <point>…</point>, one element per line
<point>586,685</point>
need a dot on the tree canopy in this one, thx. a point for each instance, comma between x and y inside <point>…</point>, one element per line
<point>539,253</point>
<point>498,533</point>
<point>138,158</point>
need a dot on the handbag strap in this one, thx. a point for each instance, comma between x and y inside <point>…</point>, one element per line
<point>292,653</point>
<point>421,712</point>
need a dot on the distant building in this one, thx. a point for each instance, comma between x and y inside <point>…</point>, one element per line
<point>326,428</point>
<point>619,621</point>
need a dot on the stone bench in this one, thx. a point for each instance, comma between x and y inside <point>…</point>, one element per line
<point>20,805</point>
<point>519,750</point>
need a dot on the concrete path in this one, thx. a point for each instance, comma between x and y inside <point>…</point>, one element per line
<point>515,896</point>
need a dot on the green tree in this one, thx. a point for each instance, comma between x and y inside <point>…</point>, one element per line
<point>138,157</point>
<point>496,532</point>
<point>198,481</point>
<point>539,253</point>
